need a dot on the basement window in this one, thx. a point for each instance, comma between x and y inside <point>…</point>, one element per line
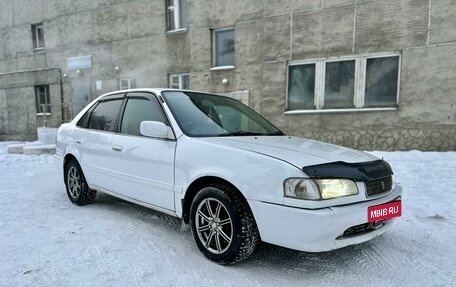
<point>38,36</point>
<point>179,81</point>
<point>176,15</point>
<point>43,100</point>
<point>342,84</point>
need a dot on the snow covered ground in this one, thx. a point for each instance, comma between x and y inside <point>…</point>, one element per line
<point>47,241</point>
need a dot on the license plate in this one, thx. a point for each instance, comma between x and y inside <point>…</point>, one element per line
<point>384,211</point>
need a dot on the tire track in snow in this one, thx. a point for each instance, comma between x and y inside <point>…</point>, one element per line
<point>375,258</point>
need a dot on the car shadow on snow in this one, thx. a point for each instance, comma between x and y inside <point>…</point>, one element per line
<point>286,260</point>
<point>137,212</point>
<point>268,257</point>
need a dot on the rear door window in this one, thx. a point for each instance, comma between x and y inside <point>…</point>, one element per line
<point>137,110</point>
<point>83,122</point>
<point>104,116</point>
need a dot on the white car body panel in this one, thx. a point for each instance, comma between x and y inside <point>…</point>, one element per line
<point>316,230</point>
<point>94,149</point>
<point>157,173</point>
<point>296,151</point>
<point>247,171</point>
<point>143,169</point>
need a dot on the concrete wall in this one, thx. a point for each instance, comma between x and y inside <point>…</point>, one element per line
<point>426,117</point>
<point>18,112</point>
<point>131,35</point>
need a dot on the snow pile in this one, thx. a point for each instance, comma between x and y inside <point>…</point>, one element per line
<point>47,241</point>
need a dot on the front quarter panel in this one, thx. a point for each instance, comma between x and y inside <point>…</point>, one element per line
<point>259,177</point>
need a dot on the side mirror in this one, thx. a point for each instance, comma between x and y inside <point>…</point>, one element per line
<point>155,129</point>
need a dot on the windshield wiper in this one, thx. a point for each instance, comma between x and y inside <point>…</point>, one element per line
<point>247,133</point>
<point>240,133</point>
<point>277,133</point>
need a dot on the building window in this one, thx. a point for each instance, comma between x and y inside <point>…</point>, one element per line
<point>301,93</point>
<point>382,77</point>
<point>344,84</point>
<point>223,47</point>
<point>43,100</point>
<point>340,85</point>
<point>179,81</point>
<point>176,15</point>
<point>126,84</point>
<point>38,36</point>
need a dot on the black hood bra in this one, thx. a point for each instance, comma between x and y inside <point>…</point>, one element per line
<point>364,171</point>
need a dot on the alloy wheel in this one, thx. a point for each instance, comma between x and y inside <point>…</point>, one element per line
<point>74,182</point>
<point>214,225</point>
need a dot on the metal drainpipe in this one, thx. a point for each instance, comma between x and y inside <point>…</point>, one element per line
<point>62,107</point>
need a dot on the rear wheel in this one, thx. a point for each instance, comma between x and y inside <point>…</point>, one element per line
<point>222,224</point>
<point>78,190</point>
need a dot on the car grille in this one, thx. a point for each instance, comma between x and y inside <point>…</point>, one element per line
<point>379,186</point>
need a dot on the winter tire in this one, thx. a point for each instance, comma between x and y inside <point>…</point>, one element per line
<point>77,188</point>
<point>222,225</point>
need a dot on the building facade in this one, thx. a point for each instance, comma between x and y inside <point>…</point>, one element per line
<point>365,74</point>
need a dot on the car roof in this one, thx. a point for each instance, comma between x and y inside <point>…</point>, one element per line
<point>152,90</point>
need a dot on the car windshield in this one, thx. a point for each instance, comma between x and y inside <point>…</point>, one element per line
<point>206,115</point>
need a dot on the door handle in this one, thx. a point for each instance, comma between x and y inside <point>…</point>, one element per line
<point>117,148</point>
<point>78,141</point>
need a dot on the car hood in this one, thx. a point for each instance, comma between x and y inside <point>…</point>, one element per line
<point>297,151</point>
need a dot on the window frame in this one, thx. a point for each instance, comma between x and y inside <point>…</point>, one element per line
<point>35,37</point>
<point>214,49</point>
<point>359,85</point>
<point>116,97</point>
<point>129,80</point>
<point>149,96</point>
<point>140,96</point>
<point>178,10</point>
<point>47,95</point>
<point>124,97</point>
<point>321,99</point>
<point>399,65</point>
<point>110,97</point>
<point>84,124</point>
<point>180,77</point>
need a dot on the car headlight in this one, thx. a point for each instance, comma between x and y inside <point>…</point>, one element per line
<point>305,188</point>
<point>302,188</point>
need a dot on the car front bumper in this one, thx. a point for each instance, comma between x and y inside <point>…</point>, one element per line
<point>318,230</point>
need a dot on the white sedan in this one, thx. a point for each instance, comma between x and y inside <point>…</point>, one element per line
<point>226,171</point>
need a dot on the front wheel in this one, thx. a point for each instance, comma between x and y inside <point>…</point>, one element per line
<point>222,225</point>
<point>78,190</point>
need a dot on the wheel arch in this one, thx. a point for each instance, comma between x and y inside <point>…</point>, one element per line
<point>67,158</point>
<point>200,183</point>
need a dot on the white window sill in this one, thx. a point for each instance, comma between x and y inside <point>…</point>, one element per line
<point>42,114</point>
<point>38,49</point>
<point>177,31</point>
<point>223,68</point>
<point>328,111</point>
